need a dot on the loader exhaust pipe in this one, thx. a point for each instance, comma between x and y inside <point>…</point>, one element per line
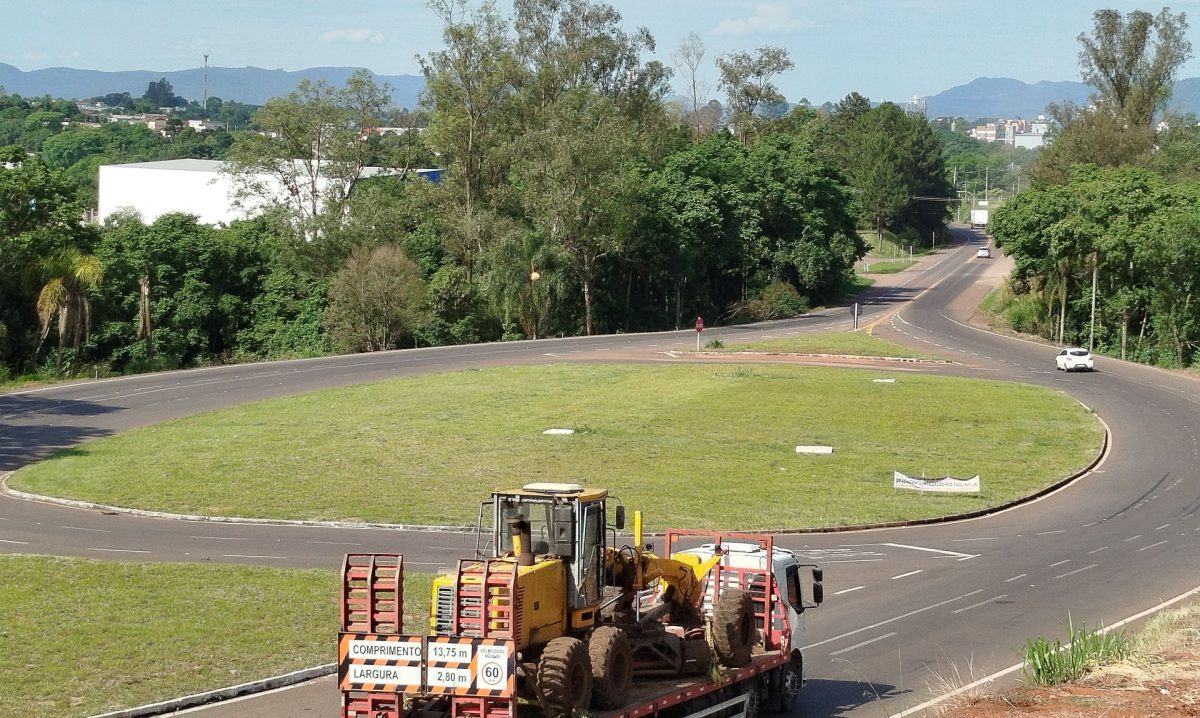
<point>522,541</point>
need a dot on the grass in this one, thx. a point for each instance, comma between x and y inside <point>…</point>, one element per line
<point>426,450</point>
<point>81,637</point>
<point>840,344</point>
<point>1052,664</point>
<point>885,267</point>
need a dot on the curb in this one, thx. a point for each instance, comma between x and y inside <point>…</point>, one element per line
<point>222,694</point>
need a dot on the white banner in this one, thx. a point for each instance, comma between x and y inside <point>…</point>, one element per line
<point>944,484</point>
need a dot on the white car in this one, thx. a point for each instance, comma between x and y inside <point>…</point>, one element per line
<point>983,253</point>
<point>1074,359</point>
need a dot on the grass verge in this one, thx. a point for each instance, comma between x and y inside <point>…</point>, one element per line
<point>427,449</point>
<point>1051,664</point>
<point>80,637</point>
<point>840,343</point>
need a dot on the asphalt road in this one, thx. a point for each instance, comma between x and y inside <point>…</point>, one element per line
<point>908,612</point>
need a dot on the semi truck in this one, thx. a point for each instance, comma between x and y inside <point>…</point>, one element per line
<point>555,617</point>
<point>979,218</point>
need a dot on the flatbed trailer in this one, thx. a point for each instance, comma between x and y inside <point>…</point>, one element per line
<point>384,672</point>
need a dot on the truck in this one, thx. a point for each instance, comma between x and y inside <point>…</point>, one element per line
<point>556,617</point>
<point>979,218</point>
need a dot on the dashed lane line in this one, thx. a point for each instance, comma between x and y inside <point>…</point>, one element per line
<point>864,643</point>
<point>1078,570</point>
<point>1153,545</point>
<point>981,603</point>
<point>901,617</point>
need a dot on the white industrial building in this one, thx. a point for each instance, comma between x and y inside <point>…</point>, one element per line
<point>197,187</point>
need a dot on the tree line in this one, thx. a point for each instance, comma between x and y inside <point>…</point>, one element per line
<point>576,199</point>
<point>1105,242</point>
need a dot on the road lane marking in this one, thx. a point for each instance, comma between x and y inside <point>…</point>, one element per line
<point>218,538</point>
<point>960,556</point>
<point>1153,545</point>
<point>902,616</point>
<point>917,709</point>
<point>848,590</point>
<point>910,573</point>
<point>1014,578</point>
<point>1097,550</point>
<point>1133,538</point>
<point>864,643</point>
<point>981,538</point>
<point>116,550</point>
<point>81,528</point>
<point>1078,570</point>
<point>1056,565</point>
<point>981,603</point>
<point>1160,528</point>
<point>1050,533</point>
<point>19,543</point>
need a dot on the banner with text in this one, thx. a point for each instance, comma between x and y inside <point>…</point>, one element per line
<point>945,484</point>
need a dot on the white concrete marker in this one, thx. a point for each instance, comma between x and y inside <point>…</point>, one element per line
<point>559,432</point>
<point>814,449</point>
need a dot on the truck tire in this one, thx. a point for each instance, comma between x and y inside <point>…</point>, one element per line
<point>791,678</point>
<point>564,678</point>
<point>753,699</point>
<point>733,628</point>
<point>612,667</point>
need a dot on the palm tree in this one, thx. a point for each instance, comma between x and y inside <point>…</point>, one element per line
<point>70,275</point>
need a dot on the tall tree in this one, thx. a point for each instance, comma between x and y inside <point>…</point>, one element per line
<point>688,58</point>
<point>1131,61</point>
<point>747,82</point>
<point>311,152</point>
<point>375,299</point>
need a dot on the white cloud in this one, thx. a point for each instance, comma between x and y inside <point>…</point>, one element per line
<point>356,36</point>
<point>766,20</point>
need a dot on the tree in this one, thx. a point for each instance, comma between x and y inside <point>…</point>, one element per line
<point>312,147</point>
<point>375,299</point>
<point>746,80</point>
<point>69,276</point>
<point>1131,61</point>
<point>688,57</point>
<point>161,94</point>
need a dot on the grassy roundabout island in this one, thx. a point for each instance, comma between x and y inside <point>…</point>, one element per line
<point>719,440</point>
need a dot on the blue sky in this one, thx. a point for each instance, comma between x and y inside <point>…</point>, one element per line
<point>884,49</point>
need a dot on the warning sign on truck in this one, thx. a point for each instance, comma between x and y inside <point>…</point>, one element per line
<point>371,662</point>
<point>427,664</point>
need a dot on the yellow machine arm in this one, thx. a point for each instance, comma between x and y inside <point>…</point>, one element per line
<point>635,569</point>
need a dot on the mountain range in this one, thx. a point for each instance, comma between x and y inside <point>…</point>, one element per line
<point>982,97</point>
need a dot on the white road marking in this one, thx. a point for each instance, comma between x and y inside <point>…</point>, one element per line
<point>116,550</point>
<point>1133,538</point>
<point>848,590</point>
<point>19,543</point>
<point>81,528</point>
<point>902,616</point>
<point>218,538</point>
<point>1153,545</point>
<point>960,556</point>
<point>981,538</point>
<point>243,555</point>
<point>1050,533</point>
<point>1160,528</point>
<point>1078,570</point>
<point>1014,578</point>
<point>1056,565</point>
<point>864,643</point>
<point>981,603</point>
<point>910,573</point>
<point>1014,668</point>
<point>1097,550</point>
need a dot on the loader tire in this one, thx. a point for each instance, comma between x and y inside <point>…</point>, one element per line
<point>733,628</point>
<point>612,667</point>
<point>564,678</point>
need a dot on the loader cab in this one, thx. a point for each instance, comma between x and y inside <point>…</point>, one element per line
<point>567,523</point>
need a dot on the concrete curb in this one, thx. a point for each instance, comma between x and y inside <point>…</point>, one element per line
<point>223,694</point>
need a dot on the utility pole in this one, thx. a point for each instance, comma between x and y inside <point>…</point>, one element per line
<point>205,103</point>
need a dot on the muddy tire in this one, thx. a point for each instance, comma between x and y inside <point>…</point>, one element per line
<point>790,680</point>
<point>564,678</point>
<point>612,667</point>
<point>733,628</point>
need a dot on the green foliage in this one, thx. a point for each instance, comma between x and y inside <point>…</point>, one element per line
<point>1052,664</point>
<point>375,300</point>
<point>714,344</point>
<point>777,300</point>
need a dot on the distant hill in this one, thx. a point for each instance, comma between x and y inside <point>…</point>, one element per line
<point>1006,97</point>
<point>982,97</point>
<point>252,85</point>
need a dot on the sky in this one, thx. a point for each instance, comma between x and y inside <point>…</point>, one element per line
<point>883,49</point>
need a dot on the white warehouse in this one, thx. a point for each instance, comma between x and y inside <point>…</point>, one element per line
<point>197,187</point>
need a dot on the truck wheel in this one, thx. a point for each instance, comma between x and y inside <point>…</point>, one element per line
<point>733,628</point>
<point>753,698</point>
<point>564,677</point>
<point>791,678</point>
<point>612,667</point>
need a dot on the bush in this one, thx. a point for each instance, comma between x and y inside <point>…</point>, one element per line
<point>779,300</point>
<point>1049,664</point>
